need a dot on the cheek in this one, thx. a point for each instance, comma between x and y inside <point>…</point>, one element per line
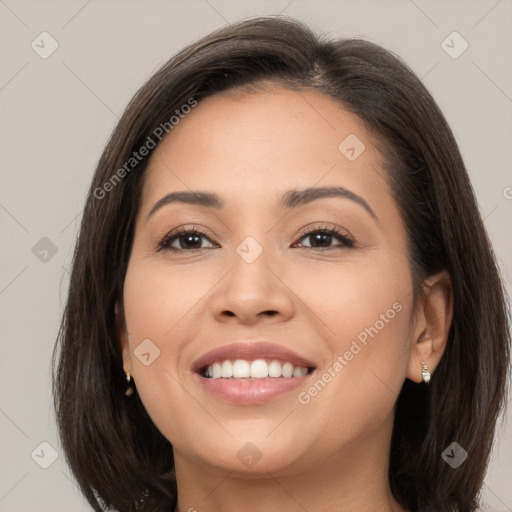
<point>159,301</point>
<point>365,300</point>
<point>152,306</point>
<point>367,313</point>
<point>161,304</point>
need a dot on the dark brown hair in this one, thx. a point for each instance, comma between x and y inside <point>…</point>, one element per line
<point>115,452</point>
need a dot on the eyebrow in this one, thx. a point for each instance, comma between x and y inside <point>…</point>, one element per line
<point>291,199</point>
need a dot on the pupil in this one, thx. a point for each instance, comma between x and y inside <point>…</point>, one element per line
<point>189,238</point>
<point>319,236</point>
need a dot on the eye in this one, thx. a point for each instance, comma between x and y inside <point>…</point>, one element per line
<point>186,240</point>
<point>321,237</point>
<point>189,240</point>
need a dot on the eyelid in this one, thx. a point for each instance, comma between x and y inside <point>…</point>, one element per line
<point>319,226</point>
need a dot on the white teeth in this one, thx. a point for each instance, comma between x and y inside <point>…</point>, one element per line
<point>287,370</point>
<point>275,369</point>
<point>257,369</point>
<point>227,369</point>
<point>241,369</point>
<point>217,370</point>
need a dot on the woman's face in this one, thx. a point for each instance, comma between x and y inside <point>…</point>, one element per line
<point>267,287</point>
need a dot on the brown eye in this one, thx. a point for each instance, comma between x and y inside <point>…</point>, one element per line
<point>183,240</point>
<point>322,238</point>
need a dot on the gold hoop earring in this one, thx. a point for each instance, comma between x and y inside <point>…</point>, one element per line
<point>129,386</point>
<point>424,373</point>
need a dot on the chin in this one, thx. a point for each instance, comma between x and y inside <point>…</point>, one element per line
<point>249,457</point>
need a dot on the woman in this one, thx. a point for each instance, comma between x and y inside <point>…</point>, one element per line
<point>282,295</point>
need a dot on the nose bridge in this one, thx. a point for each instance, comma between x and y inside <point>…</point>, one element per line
<point>256,250</point>
<point>251,260</point>
<point>253,286</point>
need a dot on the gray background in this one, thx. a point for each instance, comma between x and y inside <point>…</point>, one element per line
<point>57,113</point>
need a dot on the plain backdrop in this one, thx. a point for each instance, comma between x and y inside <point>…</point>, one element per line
<point>58,110</point>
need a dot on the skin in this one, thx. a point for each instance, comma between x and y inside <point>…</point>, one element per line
<point>332,453</point>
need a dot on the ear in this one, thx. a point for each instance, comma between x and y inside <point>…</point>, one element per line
<point>432,325</point>
<point>122,337</point>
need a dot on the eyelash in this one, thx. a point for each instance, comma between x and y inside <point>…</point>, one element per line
<point>165,243</point>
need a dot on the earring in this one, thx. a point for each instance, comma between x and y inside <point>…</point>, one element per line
<point>129,386</point>
<point>424,373</point>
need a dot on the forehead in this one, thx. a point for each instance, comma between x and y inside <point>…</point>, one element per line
<point>256,144</point>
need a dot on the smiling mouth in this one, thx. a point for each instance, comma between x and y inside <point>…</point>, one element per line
<point>254,369</point>
<point>252,372</point>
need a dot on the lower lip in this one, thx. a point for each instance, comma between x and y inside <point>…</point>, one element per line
<point>248,392</point>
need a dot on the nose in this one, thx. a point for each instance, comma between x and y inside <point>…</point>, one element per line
<point>253,292</point>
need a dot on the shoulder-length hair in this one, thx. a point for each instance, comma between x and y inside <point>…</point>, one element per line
<point>114,450</point>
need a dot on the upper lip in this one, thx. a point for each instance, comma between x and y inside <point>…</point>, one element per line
<point>250,350</point>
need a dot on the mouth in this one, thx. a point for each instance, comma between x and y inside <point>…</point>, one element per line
<point>255,369</point>
<point>250,373</point>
